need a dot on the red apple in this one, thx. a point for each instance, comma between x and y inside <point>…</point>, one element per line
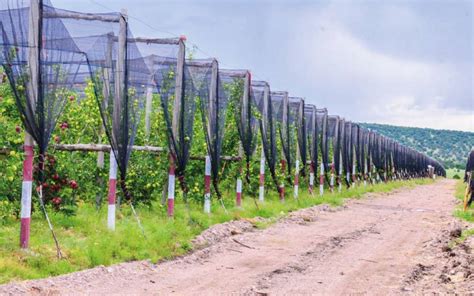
<point>73,184</point>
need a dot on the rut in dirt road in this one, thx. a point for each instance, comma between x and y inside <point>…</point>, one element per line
<point>367,246</point>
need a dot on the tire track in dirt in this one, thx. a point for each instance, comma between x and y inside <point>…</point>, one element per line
<point>367,246</point>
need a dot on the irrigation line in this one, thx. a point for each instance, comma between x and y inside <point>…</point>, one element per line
<point>43,208</point>
<point>138,219</point>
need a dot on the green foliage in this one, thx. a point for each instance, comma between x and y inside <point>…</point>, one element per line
<point>459,194</point>
<point>449,147</point>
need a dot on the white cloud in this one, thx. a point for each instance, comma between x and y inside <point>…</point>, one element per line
<point>404,111</point>
<point>368,85</point>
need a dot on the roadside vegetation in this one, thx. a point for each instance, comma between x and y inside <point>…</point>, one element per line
<point>459,213</point>
<point>86,242</point>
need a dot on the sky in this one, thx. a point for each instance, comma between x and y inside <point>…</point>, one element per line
<point>408,63</point>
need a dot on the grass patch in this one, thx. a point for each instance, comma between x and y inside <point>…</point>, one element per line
<point>451,173</point>
<point>458,211</point>
<point>86,242</point>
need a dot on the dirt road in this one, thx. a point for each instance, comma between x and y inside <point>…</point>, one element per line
<point>370,246</point>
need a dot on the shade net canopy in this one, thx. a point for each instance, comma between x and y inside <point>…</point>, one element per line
<point>322,131</point>
<point>297,122</point>
<point>119,77</point>
<point>178,85</point>
<point>43,65</point>
<point>286,128</point>
<point>213,102</point>
<point>347,151</point>
<point>238,83</point>
<point>311,134</point>
<point>333,135</point>
<point>342,149</point>
<point>261,96</point>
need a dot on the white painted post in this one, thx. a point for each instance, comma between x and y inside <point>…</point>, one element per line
<point>297,178</point>
<point>353,175</point>
<point>32,88</point>
<point>207,185</point>
<point>112,191</point>
<point>261,193</point>
<point>175,126</point>
<point>238,187</point>
<point>148,109</point>
<point>119,89</point>
<point>321,179</point>
<point>340,172</point>
<point>311,178</point>
<point>365,173</point>
<point>171,185</point>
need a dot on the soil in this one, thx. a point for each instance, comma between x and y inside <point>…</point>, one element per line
<point>397,243</point>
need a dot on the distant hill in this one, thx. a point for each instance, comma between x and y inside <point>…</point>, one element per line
<point>449,147</point>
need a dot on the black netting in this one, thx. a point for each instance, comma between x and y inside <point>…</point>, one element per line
<point>120,76</point>
<point>333,134</point>
<point>355,146</point>
<point>286,128</point>
<point>341,147</point>
<point>239,82</point>
<point>213,103</point>
<point>260,95</point>
<point>322,131</point>
<point>311,134</point>
<point>43,66</point>
<point>347,153</point>
<point>177,90</point>
<point>297,119</point>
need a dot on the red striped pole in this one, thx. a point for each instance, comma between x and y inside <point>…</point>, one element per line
<point>26,191</point>
<point>321,179</point>
<point>207,185</point>
<point>112,191</point>
<point>339,175</point>
<point>353,175</point>
<point>261,192</point>
<point>282,185</point>
<point>311,178</point>
<point>171,185</point>
<point>365,174</point>
<point>238,190</point>
<point>297,178</point>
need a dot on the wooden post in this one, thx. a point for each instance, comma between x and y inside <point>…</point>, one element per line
<point>207,185</point>
<point>353,166</point>
<point>119,93</point>
<point>261,189</point>
<point>32,88</point>
<point>238,189</point>
<point>339,175</point>
<point>311,178</point>
<point>365,170</point>
<point>331,181</point>
<point>105,101</point>
<point>171,185</point>
<point>297,171</point>
<point>112,192</point>
<point>148,109</point>
<point>177,114</point>
<point>321,178</point>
